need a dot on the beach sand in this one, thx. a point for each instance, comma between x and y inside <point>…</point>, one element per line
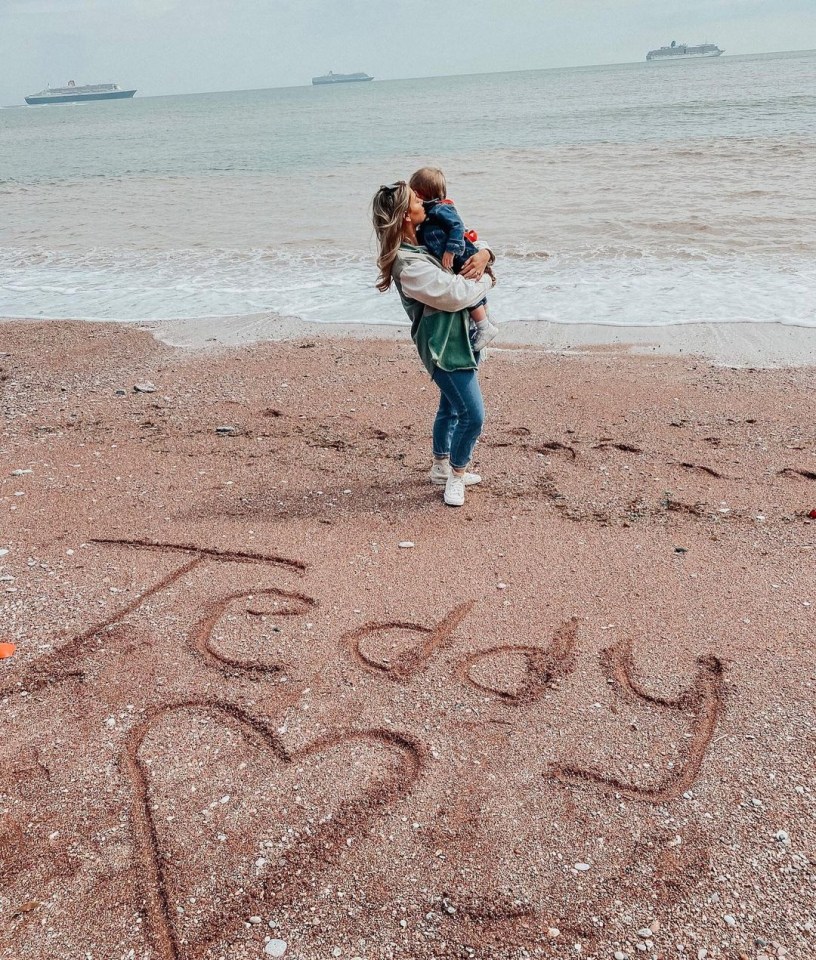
<point>574,717</point>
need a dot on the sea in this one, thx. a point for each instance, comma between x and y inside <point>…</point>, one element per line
<point>633,194</point>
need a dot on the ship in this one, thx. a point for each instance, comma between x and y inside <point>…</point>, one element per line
<point>681,51</point>
<point>340,78</point>
<point>74,94</point>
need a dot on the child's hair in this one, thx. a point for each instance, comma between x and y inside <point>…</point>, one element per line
<point>429,183</point>
<point>388,211</point>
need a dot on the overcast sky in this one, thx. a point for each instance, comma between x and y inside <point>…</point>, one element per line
<point>187,46</point>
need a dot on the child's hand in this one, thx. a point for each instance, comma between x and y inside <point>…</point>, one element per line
<point>447,259</point>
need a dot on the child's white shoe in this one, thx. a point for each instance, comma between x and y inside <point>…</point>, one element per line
<point>484,333</point>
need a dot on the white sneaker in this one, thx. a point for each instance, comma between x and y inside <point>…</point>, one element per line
<point>441,471</point>
<point>454,494</point>
<point>485,332</point>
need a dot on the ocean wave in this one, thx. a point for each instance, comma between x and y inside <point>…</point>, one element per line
<point>599,285</point>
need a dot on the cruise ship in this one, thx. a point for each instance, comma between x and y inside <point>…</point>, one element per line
<point>681,51</point>
<point>340,78</point>
<point>74,94</point>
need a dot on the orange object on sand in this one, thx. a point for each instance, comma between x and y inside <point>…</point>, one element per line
<point>7,650</point>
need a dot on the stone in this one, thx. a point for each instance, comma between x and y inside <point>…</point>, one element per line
<point>406,544</point>
<point>620,955</point>
<point>146,387</point>
<point>275,948</point>
<point>582,867</point>
<point>226,430</point>
<point>644,933</point>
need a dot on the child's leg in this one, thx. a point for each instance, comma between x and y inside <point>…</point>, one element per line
<point>478,314</point>
<point>483,331</point>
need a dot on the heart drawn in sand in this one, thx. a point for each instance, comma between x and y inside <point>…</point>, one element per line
<point>224,816</point>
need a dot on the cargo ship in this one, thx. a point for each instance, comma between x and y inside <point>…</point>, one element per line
<point>74,94</point>
<point>341,78</point>
<point>681,51</point>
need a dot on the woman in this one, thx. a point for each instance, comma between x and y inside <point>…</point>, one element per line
<point>436,302</point>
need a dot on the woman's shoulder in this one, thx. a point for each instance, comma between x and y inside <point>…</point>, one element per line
<point>410,251</point>
<point>408,254</point>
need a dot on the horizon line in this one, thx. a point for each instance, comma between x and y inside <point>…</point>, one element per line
<point>439,76</point>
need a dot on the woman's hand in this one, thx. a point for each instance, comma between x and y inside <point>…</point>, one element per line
<point>474,267</point>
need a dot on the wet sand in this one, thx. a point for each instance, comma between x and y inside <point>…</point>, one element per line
<point>729,344</point>
<point>576,713</point>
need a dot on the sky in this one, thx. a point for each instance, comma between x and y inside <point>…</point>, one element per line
<point>189,46</point>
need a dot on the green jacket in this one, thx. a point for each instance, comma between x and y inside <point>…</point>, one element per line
<point>441,336</point>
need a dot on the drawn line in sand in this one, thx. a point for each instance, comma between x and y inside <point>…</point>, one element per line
<point>242,556</point>
<point>412,661</point>
<point>328,838</point>
<point>65,662</point>
<point>700,469</point>
<point>794,472</point>
<point>543,665</point>
<point>552,446</point>
<point>705,699</point>
<point>606,444</point>
<point>201,636</point>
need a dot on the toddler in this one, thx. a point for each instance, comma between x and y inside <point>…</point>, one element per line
<point>443,234</point>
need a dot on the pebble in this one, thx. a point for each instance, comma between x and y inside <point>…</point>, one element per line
<point>3,551</point>
<point>275,948</point>
<point>255,920</point>
<point>730,920</point>
<point>146,387</point>
<point>644,933</point>
<point>226,430</point>
<point>782,836</point>
<point>583,867</point>
<point>553,932</point>
<point>20,473</point>
<point>406,544</point>
<point>620,955</point>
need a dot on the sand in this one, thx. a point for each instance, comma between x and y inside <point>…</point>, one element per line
<point>575,717</point>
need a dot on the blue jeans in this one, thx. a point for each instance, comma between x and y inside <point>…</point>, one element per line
<point>460,416</point>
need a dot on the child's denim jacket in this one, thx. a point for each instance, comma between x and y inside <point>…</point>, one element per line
<point>443,231</point>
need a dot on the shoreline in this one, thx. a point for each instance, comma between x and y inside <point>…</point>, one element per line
<point>746,344</point>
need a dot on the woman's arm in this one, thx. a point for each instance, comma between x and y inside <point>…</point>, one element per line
<point>423,281</point>
<point>474,267</point>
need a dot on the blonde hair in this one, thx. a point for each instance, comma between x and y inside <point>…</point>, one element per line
<point>388,209</point>
<point>429,183</point>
